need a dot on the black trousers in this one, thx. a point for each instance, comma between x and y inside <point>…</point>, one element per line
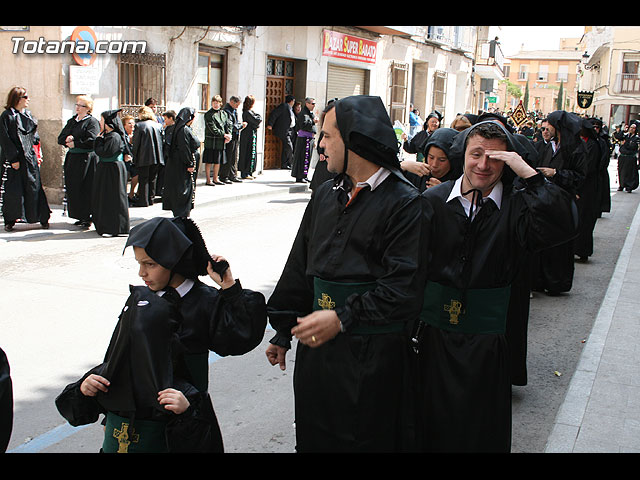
<point>146,184</point>
<point>229,169</point>
<point>286,157</point>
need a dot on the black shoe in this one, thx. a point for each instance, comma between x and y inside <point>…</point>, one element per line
<point>8,227</point>
<point>236,180</point>
<point>218,183</point>
<point>226,182</point>
<point>45,225</point>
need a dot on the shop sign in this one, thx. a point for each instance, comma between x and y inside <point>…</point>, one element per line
<point>342,45</point>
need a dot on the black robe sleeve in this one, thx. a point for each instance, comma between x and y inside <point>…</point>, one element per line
<point>6,402</point>
<point>240,321</point>
<point>283,310</point>
<point>8,148</point>
<point>547,215</point>
<point>228,322</point>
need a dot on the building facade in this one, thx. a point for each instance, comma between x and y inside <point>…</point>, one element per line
<point>428,67</point>
<point>546,74</point>
<point>610,71</point>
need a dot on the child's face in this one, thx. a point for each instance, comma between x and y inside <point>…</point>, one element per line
<point>154,275</point>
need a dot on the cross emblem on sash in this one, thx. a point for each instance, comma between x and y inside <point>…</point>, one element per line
<point>455,309</point>
<point>326,303</point>
<point>124,438</point>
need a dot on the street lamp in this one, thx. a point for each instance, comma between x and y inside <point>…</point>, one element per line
<point>585,61</point>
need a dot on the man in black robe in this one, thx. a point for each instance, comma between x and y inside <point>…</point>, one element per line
<point>490,219</point>
<point>588,199</point>
<point>563,162</point>
<point>604,181</point>
<point>351,285</point>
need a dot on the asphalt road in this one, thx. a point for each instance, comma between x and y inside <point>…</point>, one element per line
<point>63,290</point>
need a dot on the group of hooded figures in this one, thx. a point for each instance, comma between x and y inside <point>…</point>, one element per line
<point>409,305</point>
<point>95,173</point>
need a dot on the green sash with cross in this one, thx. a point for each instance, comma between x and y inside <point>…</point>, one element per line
<point>145,436</point>
<point>328,295</point>
<point>482,310</point>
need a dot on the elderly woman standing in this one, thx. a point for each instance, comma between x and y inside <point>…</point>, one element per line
<point>79,135</point>
<point>22,192</point>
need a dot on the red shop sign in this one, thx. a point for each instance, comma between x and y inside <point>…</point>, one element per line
<point>345,46</point>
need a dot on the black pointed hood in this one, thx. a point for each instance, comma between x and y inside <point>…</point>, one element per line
<point>366,129</point>
<point>175,243</point>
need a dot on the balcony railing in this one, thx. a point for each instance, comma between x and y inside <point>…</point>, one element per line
<point>627,83</point>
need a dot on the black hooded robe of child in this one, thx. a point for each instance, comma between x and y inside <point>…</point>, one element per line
<point>144,357</point>
<point>109,195</point>
<point>352,394</point>
<point>228,321</point>
<point>464,372</point>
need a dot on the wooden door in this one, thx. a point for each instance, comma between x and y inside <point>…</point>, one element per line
<point>274,96</point>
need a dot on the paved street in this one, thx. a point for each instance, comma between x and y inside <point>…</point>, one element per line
<point>67,288</point>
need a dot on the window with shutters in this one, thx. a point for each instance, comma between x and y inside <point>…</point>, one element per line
<point>141,76</point>
<point>398,87</point>
<point>439,91</point>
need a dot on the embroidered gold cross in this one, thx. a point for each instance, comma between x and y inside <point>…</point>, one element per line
<point>455,309</point>
<point>326,303</point>
<point>124,439</point>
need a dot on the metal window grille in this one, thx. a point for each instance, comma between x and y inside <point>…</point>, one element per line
<point>141,76</point>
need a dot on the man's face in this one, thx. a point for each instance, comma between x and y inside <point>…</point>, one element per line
<point>480,171</point>
<point>332,143</point>
<point>548,132</point>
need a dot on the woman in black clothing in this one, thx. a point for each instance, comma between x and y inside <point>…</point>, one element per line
<point>21,195</point>
<point>248,138</point>
<point>110,201</point>
<point>79,135</point>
